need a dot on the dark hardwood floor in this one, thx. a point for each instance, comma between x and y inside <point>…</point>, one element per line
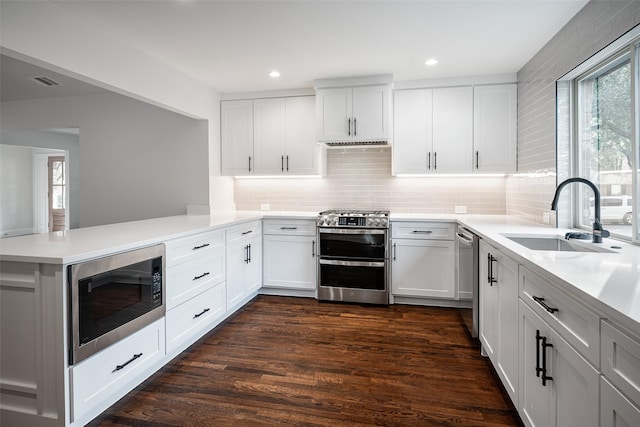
<point>300,362</point>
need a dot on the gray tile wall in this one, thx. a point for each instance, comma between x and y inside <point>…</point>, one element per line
<point>529,193</point>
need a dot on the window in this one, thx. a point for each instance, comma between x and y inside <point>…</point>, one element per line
<point>603,144</point>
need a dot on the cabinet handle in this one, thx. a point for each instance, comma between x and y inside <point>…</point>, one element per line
<point>538,339</point>
<point>394,252</point>
<point>120,367</point>
<point>288,228</point>
<point>247,232</point>
<point>282,163</point>
<point>422,231</point>
<point>349,126</point>
<point>246,254</point>
<point>249,254</point>
<point>544,304</point>
<point>249,163</point>
<point>195,316</point>
<point>287,163</point>
<point>313,249</point>
<point>545,377</point>
<point>476,159</point>
<point>429,164</point>
<point>195,248</point>
<point>201,276</point>
<point>355,127</point>
<point>435,160</point>
<point>490,279</point>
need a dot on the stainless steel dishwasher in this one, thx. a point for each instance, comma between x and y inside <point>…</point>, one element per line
<point>468,283</point>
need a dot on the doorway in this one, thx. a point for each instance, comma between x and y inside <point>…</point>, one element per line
<point>56,189</point>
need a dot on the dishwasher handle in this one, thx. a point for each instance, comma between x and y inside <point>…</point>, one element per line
<point>464,239</point>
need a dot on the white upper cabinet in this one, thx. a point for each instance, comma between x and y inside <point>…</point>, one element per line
<point>277,138</point>
<point>236,124</point>
<point>495,128</point>
<point>455,130</point>
<point>353,113</point>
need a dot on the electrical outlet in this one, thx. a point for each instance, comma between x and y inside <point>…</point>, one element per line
<point>546,218</point>
<point>460,209</point>
<point>265,206</point>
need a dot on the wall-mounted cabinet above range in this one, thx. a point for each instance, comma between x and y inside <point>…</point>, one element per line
<point>353,111</point>
<point>460,130</point>
<point>269,136</point>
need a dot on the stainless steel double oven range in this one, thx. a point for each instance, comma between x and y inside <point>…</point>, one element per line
<point>353,259</point>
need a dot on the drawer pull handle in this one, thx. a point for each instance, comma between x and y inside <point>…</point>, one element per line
<point>195,248</point>
<point>247,232</point>
<point>288,228</point>
<point>544,304</point>
<point>201,276</point>
<point>120,367</point>
<point>195,316</point>
<point>313,249</point>
<point>545,377</point>
<point>422,231</point>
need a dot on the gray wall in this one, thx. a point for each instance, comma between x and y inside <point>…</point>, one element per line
<point>136,161</point>
<point>16,190</point>
<point>599,23</point>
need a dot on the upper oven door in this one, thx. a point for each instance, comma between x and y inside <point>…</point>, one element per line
<point>346,243</point>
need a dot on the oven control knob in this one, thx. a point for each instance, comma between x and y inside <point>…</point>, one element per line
<point>377,222</point>
<point>383,222</point>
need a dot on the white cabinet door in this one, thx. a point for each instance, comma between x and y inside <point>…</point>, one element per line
<point>569,397</point>
<point>252,275</point>
<point>370,113</point>
<point>412,131</point>
<point>333,114</point>
<point>269,135</point>
<point>237,256</point>
<point>452,130</point>
<point>300,136</point>
<point>489,303</point>
<point>494,129</point>
<point>236,126</point>
<point>506,273</point>
<point>615,409</point>
<point>423,268</point>
<point>289,262</point>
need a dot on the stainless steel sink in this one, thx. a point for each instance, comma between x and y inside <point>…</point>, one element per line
<point>555,243</point>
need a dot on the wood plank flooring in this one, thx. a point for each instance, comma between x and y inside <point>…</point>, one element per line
<point>300,362</point>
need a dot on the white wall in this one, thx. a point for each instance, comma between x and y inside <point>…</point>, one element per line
<point>136,161</point>
<point>529,193</point>
<point>16,190</point>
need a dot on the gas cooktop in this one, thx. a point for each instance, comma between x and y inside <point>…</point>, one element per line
<point>353,218</point>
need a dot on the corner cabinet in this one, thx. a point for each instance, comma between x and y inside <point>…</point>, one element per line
<point>498,318</point>
<point>423,260</point>
<point>353,113</point>
<point>289,257</point>
<point>270,136</point>
<point>244,263</point>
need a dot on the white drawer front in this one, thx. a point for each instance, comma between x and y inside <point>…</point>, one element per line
<point>621,360</point>
<point>180,250</point>
<point>423,230</point>
<point>574,322</point>
<point>299,227</point>
<point>188,279</point>
<point>111,373</point>
<point>186,320</point>
<point>244,231</point>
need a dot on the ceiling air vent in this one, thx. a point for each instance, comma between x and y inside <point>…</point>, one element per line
<point>45,81</point>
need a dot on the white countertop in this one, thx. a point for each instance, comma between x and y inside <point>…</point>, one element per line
<point>608,281</point>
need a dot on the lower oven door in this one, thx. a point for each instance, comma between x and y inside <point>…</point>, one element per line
<point>353,281</point>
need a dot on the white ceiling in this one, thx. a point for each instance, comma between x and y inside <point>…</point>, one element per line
<point>231,46</point>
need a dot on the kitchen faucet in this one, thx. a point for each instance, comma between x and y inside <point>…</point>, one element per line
<point>598,231</point>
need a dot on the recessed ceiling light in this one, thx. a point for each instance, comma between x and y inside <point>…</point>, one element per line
<point>274,74</point>
<point>431,61</point>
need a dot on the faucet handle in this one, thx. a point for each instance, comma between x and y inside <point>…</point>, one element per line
<point>599,232</point>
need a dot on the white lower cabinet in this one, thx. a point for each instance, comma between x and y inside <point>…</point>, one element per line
<point>244,263</point>
<point>289,260</point>
<point>616,410</point>
<point>558,387</point>
<point>423,260</point>
<point>498,317</point>
<point>100,380</point>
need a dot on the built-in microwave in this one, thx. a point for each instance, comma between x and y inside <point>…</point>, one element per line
<point>113,297</point>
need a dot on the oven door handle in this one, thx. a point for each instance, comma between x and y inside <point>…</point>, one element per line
<point>351,231</point>
<point>351,263</point>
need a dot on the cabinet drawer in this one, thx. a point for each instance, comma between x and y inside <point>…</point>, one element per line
<point>186,320</point>
<point>300,227</point>
<point>179,250</point>
<point>107,376</point>
<point>620,355</point>
<point>423,230</point>
<point>243,231</point>
<point>573,321</point>
<point>188,279</point>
